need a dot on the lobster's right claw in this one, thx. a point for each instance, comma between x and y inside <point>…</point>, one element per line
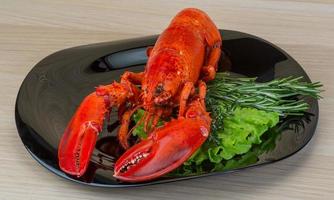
<point>79,139</point>
<point>165,150</point>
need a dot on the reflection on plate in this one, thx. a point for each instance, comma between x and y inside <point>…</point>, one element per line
<point>54,88</point>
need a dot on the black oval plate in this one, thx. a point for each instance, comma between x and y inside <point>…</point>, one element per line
<point>54,88</point>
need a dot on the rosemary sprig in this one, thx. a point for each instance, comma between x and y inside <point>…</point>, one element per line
<point>284,96</point>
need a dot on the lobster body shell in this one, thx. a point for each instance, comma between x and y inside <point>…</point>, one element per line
<point>179,55</point>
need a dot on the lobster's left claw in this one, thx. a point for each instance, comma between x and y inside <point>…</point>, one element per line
<point>166,149</point>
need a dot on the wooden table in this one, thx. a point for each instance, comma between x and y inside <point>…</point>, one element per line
<point>31,30</point>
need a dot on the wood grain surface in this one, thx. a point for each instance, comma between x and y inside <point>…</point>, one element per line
<point>31,30</point>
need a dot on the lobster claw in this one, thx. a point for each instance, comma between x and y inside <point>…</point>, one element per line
<point>78,141</point>
<point>79,138</point>
<point>164,150</point>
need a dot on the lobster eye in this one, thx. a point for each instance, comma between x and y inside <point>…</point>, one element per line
<point>159,89</point>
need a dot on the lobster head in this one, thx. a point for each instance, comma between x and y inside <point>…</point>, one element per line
<point>167,67</point>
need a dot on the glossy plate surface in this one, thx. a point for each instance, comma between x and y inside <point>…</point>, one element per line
<point>54,88</point>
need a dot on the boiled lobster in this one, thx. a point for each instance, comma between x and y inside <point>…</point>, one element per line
<point>183,58</point>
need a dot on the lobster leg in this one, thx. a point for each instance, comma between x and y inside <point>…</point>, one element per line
<point>148,116</point>
<point>213,40</point>
<point>123,133</point>
<point>186,91</point>
<point>156,119</point>
<point>202,93</point>
<point>210,69</point>
<point>149,51</point>
<point>132,78</point>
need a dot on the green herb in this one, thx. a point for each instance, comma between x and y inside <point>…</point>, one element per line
<point>225,93</point>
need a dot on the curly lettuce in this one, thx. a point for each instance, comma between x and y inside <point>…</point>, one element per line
<point>242,130</point>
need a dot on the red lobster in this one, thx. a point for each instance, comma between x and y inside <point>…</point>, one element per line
<point>185,55</point>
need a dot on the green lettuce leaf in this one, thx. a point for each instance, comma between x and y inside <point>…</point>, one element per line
<point>139,130</point>
<point>241,131</point>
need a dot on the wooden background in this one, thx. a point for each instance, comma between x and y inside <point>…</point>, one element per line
<point>31,30</point>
